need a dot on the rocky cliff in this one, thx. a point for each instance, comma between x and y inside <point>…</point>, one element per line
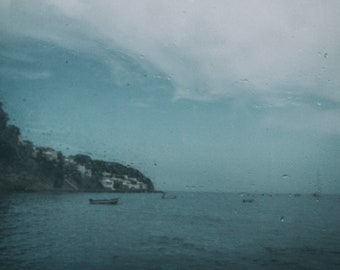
<point>26,167</point>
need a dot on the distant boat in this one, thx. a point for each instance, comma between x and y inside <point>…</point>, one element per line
<point>104,201</point>
<point>316,194</point>
<point>168,196</point>
<point>248,200</point>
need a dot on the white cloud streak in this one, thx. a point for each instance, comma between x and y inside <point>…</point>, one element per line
<point>205,46</point>
<point>270,43</point>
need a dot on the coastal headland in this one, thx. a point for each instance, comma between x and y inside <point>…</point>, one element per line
<point>27,167</point>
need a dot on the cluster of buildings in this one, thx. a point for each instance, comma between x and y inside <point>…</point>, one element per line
<point>114,182</point>
<point>108,180</point>
<point>123,182</point>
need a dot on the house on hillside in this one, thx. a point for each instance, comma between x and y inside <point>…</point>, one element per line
<point>124,182</point>
<point>107,183</point>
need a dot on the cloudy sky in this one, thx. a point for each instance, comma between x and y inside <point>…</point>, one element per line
<point>198,95</point>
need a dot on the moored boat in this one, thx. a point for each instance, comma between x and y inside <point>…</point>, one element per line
<point>104,201</point>
<point>168,196</point>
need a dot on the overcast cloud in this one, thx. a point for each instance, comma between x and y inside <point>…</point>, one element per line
<point>277,52</point>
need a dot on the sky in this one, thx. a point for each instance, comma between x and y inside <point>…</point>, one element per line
<point>231,96</point>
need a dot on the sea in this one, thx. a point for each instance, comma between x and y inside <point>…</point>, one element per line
<point>196,230</point>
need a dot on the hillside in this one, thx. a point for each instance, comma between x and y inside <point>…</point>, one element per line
<point>26,167</point>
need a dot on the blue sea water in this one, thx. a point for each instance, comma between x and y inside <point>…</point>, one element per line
<point>194,231</point>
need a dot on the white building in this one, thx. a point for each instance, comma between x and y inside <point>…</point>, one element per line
<point>126,182</point>
<point>108,183</point>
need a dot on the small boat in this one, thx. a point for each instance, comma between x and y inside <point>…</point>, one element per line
<point>168,196</point>
<point>104,201</point>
